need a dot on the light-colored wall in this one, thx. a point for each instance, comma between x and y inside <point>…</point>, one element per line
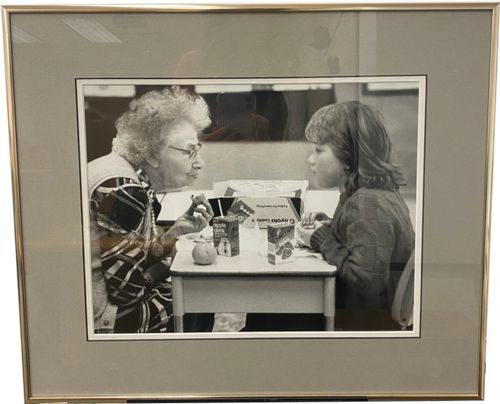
<point>288,160</point>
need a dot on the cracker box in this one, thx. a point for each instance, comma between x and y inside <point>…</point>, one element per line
<point>226,236</point>
<point>280,239</point>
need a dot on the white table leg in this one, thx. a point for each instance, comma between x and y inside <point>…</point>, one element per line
<point>178,303</point>
<point>329,302</point>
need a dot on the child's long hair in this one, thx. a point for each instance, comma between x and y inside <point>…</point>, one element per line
<point>358,138</point>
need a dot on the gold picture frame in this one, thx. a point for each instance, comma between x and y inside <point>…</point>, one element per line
<point>19,124</point>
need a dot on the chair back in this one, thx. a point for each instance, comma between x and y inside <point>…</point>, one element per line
<point>402,305</point>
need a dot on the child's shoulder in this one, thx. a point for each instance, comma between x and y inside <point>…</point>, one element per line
<point>367,202</point>
<point>370,195</point>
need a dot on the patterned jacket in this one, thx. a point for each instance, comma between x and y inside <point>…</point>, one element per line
<point>122,210</point>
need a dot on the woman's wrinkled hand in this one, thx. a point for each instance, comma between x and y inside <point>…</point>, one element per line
<point>195,219</point>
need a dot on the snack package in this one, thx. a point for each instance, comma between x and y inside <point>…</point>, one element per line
<point>241,210</point>
<point>280,243</point>
<point>198,199</point>
<point>226,236</point>
<point>195,201</point>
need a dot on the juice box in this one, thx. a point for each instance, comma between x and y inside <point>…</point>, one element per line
<point>226,235</point>
<point>280,247</point>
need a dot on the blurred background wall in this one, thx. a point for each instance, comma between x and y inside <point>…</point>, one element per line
<point>274,147</point>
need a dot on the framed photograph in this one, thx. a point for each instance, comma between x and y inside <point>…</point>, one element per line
<point>236,196</point>
<point>268,118</point>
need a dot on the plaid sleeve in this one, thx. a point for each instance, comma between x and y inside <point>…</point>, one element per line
<point>118,206</point>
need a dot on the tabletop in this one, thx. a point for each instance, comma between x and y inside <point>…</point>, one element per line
<point>252,263</point>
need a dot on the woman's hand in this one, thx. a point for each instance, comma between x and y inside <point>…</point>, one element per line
<point>304,233</point>
<point>157,272</point>
<point>194,220</point>
<point>308,218</point>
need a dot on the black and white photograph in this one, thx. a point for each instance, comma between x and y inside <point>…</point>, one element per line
<point>247,208</point>
<point>219,202</point>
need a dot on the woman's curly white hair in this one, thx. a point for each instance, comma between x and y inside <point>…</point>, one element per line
<point>139,130</point>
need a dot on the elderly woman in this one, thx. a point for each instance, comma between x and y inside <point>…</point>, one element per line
<point>156,149</point>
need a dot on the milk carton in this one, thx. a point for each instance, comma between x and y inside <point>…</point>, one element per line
<point>226,236</point>
<point>280,243</point>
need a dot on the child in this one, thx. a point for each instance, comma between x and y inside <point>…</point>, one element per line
<point>370,237</point>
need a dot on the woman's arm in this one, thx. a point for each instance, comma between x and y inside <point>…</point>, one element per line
<point>118,208</point>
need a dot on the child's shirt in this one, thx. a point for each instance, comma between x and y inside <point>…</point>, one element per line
<point>369,239</point>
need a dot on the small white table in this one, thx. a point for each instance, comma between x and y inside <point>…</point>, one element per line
<point>247,283</point>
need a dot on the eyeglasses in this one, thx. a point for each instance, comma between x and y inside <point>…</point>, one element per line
<point>192,153</point>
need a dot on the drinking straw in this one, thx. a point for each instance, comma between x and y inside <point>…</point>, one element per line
<point>220,207</point>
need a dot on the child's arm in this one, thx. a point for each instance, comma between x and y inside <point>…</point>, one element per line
<point>369,248</point>
<point>308,218</point>
<point>364,259</point>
